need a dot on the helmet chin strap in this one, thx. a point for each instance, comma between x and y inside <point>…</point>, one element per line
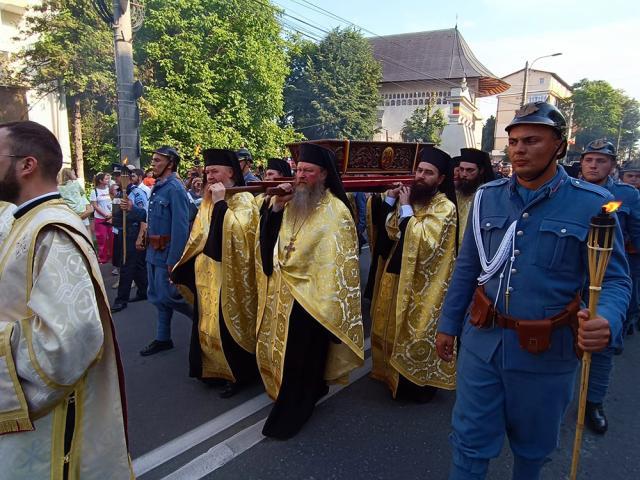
<point>164,169</point>
<point>546,167</point>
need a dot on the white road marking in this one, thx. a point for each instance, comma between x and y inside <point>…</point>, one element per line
<point>225,451</point>
<point>181,444</point>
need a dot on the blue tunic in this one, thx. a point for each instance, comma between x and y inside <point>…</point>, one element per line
<point>501,387</point>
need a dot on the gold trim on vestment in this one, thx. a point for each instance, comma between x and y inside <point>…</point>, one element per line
<point>408,305</point>
<point>322,274</point>
<point>15,420</point>
<point>231,281</point>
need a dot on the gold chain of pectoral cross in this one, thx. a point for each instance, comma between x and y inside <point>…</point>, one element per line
<point>291,248</point>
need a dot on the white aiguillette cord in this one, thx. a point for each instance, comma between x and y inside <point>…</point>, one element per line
<point>499,260</point>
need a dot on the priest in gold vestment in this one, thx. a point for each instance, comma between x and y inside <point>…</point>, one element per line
<point>217,273</point>
<point>62,410</point>
<point>474,170</point>
<point>412,286</point>
<point>309,317</point>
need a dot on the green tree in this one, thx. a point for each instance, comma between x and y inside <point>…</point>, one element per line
<point>74,51</point>
<point>332,91</point>
<point>597,111</point>
<point>425,124</point>
<point>216,71</point>
<point>488,132</point>
<point>629,131</point>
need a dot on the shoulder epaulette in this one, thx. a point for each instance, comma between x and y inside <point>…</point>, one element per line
<point>495,183</point>
<point>590,187</point>
<point>626,186</point>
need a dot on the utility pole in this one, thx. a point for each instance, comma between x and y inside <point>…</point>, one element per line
<point>128,134</point>
<point>524,84</point>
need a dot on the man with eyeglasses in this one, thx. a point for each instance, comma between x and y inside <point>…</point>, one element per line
<point>59,370</point>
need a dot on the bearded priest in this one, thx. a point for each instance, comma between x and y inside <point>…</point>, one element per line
<point>217,273</point>
<point>309,317</point>
<point>474,170</point>
<point>414,282</point>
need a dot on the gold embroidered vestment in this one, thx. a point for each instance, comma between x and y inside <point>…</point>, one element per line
<point>407,307</point>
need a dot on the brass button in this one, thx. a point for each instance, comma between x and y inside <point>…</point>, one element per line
<point>519,233</point>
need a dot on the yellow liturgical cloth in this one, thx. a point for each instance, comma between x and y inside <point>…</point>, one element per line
<point>315,264</point>
<point>231,281</point>
<point>407,307</point>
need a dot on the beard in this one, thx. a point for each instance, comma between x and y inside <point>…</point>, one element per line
<point>467,187</point>
<point>305,200</point>
<point>421,193</point>
<point>9,186</point>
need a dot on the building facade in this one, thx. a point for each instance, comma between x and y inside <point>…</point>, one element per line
<point>19,103</point>
<point>542,86</point>
<point>436,66</point>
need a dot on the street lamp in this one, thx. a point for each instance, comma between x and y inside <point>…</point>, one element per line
<point>527,67</point>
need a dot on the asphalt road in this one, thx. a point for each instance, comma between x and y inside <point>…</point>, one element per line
<point>180,429</point>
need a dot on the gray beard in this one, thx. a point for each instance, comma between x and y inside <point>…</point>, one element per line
<point>305,200</point>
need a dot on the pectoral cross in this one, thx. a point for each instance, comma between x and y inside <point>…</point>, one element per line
<point>290,248</point>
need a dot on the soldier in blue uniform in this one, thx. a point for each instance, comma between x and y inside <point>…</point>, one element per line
<point>523,259</point>
<point>597,162</point>
<point>134,269</point>
<point>167,233</point>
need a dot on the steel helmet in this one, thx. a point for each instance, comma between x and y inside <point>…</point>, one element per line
<point>600,146</point>
<point>539,113</point>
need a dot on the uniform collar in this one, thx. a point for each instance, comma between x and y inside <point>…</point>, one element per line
<point>164,181</point>
<point>550,188</point>
<point>33,203</point>
<point>609,183</point>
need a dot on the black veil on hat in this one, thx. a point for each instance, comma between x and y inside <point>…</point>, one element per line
<point>481,159</point>
<point>445,164</point>
<point>225,158</point>
<point>280,165</point>
<point>325,158</point>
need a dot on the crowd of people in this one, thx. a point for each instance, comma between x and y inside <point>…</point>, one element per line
<point>478,283</point>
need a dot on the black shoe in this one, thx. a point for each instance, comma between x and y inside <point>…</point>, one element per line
<point>214,382</point>
<point>156,346</point>
<point>596,419</point>
<point>118,307</point>
<point>229,390</point>
<point>138,298</point>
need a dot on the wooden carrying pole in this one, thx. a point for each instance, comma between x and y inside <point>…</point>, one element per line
<point>600,245</point>
<point>124,183</point>
<point>351,184</point>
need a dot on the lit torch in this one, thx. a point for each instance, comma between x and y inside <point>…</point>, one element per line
<point>124,183</point>
<point>600,245</point>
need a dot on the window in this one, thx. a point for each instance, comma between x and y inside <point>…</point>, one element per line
<point>404,102</point>
<point>538,98</point>
<point>10,19</point>
<point>393,103</point>
<point>541,80</point>
<point>415,101</point>
<point>421,101</point>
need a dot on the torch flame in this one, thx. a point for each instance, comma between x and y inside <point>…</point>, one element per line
<point>125,161</point>
<point>611,207</point>
<point>197,151</point>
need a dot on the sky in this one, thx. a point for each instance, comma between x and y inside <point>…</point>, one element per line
<point>598,39</point>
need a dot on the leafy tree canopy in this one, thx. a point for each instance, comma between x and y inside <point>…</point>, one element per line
<point>332,90</point>
<point>425,124</point>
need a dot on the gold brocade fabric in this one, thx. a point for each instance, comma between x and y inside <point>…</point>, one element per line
<point>407,308</point>
<point>323,275</point>
<point>464,205</point>
<point>231,281</point>
<point>57,346</point>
